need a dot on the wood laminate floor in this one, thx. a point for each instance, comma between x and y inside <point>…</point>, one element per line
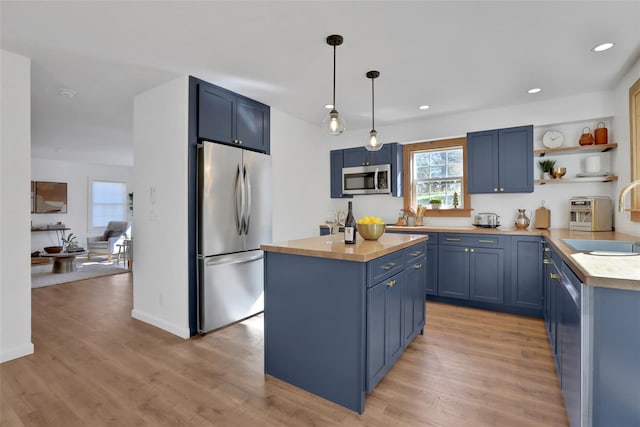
<point>95,366</point>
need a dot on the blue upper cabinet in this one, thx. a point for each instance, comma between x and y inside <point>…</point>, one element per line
<point>500,160</point>
<point>229,118</point>
<point>390,154</point>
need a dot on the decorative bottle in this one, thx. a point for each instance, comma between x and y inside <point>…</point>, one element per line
<point>522,222</point>
<point>350,227</point>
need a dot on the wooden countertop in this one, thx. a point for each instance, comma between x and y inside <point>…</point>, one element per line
<point>618,272</point>
<point>333,246</point>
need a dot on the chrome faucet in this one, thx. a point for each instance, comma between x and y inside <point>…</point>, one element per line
<point>624,192</point>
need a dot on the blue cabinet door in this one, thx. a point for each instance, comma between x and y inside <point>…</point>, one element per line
<point>569,352</point>
<point>414,299</point>
<point>486,275</point>
<point>482,162</point>
<point>515,159</point>
<point>453,272</point>
<point>384,327</point>
<point>432,269</point>
<point>216,114</point>
<point>500,160</point>
<point>229,118</point>
<point>355,157</point>
<point>526,272</point>
<point>253,125</point>
<point>336,163</point>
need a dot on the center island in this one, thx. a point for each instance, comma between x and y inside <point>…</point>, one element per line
<point>336,316</point>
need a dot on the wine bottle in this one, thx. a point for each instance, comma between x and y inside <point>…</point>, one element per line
<point>350,227</point>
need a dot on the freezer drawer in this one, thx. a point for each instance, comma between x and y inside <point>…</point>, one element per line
<point>231,289</point>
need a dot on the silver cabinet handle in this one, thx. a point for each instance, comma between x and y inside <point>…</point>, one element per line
<point>450,239</point>
<point>389,266</point>
<point>547,249</point>
<point>495,190</point>
<point>391,283</point>
<point>554,276</point>
<point>417,253</point>
<point>486,241</point>
<point>237,141</point>
<point>418,266</point>
<point>501,189</point>
<point>472,250</point>
<point>547,261</point>
<point>466,249</point>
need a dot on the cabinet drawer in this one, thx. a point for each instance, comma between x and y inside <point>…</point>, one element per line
<point>475,240</point>
<point>385,266</point>
<point>415,252</point>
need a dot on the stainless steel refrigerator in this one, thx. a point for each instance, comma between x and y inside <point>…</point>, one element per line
<point>234,206</point>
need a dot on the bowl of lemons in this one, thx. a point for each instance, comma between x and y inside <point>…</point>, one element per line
<point>370,227</point>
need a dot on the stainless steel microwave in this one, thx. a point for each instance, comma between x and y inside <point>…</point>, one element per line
<point>374,179</point>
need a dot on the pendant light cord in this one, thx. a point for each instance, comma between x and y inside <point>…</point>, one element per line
<point>334,76</point>
<point>373,117</point>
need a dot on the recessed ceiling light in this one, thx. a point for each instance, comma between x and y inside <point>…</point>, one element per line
<point>66,92</point>
<point>534,90</point>
<point>424,107</point>
<point>328,106</point>
<point>602,47</point>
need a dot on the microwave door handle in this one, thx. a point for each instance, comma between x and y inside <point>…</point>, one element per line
<point>375,180</point>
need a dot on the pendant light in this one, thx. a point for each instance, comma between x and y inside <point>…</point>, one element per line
<point>374,140</point>
<point>333,123</point>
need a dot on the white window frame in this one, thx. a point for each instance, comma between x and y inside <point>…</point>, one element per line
<point>90,207</point>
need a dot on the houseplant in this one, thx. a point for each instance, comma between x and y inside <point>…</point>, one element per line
<point>546,166</point>
<point>69,241</point>
<point>435,203</point>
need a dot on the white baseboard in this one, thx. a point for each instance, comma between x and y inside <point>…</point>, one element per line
<point>161,323</point>
<point>16,352</point>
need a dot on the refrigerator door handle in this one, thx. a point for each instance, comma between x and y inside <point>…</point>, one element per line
<point>247,180</point>
<point>225,260</point>
<point>238,193</point>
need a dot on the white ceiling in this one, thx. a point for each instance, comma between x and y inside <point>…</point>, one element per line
<point>452,55</point>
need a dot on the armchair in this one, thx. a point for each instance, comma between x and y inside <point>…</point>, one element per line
<point>105,244</point>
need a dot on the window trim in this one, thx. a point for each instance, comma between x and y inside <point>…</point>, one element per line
<point>634,141</point>
<point>408,150</point>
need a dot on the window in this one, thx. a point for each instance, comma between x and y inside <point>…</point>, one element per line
<point>108,202</point>
<point>436,169</point>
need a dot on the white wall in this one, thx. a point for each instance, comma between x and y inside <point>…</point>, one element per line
<point>160,270</point>
<point>77,176</point>
<point>15,150</point>
<point>300,177</point>
<point>579,111</point>
<point>623,154</point>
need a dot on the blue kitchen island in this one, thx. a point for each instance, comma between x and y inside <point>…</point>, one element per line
<point>338,316</point>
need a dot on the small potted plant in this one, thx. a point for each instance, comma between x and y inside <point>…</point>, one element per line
<point>435,203</point>
<point>69,241</point>
<point>546,166</point>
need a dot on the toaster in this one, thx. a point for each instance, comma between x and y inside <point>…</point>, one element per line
<point>486,219</point>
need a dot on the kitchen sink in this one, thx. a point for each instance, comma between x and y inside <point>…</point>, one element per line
<point>602,246</point>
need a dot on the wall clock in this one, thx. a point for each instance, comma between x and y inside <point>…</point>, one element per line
<point>553,139</point>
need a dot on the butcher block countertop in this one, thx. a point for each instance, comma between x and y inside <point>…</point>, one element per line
<point>612,271</point>
<point>333,246</point>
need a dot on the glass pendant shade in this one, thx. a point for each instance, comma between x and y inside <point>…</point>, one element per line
<point>374,141</point>
<point>334,123</point>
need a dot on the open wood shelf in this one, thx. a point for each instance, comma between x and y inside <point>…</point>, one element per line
<point>574,149</point>
<point>607,178</point>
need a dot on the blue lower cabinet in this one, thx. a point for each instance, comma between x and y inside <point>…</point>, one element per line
<point>569,347</point>
<point>414,299</point>
<point>431,264</point>
<point>526,273</point>
<point>486,275</point>
<point>453,272</point>
<point>384,327</point>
